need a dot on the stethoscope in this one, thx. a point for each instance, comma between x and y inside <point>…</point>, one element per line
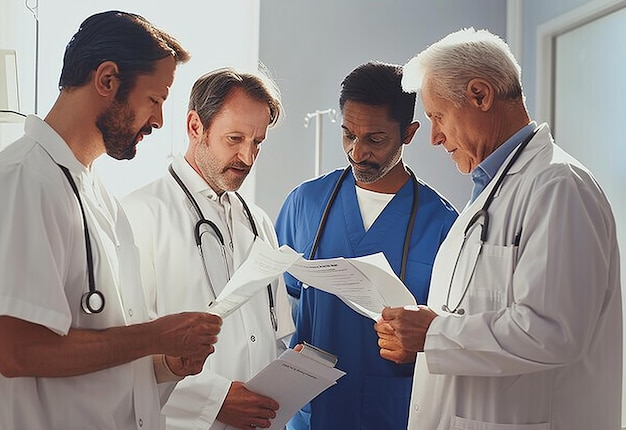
<point>407,236</point>
<point>484,214</point>
<point>92,302</point>
<point>197,232</point>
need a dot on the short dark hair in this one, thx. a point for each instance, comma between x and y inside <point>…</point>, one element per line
<point>127,39</point>
<point>379,84</point>
<point>211,90</point>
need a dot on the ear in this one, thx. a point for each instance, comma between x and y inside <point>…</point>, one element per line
<point>195,129</point>
<point>480,94</point>
<point>105,78</point>
<point>410,132</point>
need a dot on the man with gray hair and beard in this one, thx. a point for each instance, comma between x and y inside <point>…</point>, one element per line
<point>194,229</point>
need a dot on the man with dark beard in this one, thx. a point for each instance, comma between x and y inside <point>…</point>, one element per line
<point>77,350</point>
<point>374,205</point>
<point>194,230</point>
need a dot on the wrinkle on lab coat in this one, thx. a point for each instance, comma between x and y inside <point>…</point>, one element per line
<point>540,343</point>
<point>174,280</point>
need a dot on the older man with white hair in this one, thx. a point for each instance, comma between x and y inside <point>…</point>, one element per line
<point>523,328</point>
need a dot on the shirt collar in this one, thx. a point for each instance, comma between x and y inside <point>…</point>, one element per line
<point>194,182</point>
<point>45,136</point>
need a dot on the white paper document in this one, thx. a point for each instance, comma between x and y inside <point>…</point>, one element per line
<point>262,266</point>
<point>293,380</point>
<point>366,284</point>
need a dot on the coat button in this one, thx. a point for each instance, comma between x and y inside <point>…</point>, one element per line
<point>416,407</point>
<point>253,338</point>
<point>130,312</point>
<point>140,422</point>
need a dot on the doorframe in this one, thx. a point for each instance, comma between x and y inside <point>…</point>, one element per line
<point>546,40</point>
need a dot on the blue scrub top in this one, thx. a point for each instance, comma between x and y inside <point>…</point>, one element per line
<point>375,393</point>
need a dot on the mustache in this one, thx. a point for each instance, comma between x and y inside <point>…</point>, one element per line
<point>362,163</point>
<point>238,166</point>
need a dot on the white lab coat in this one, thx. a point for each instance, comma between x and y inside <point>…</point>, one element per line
<point>174,280</point>
<point>43,276</point>
<point>540,344</point>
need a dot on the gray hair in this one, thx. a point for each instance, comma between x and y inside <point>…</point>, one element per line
<point>450,64</point>
<point>210,91</point>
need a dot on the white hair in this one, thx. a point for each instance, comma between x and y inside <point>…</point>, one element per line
<point>458,58</point>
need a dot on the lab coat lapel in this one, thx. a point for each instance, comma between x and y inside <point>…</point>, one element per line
<point>451,247</point>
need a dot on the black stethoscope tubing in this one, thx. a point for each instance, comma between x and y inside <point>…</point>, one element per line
<point>92,302</point>
<point>407,236</point>
<point>202,220</point>
<point>483,212</point>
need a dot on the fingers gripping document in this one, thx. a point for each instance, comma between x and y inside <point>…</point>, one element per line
<point>366,284</point>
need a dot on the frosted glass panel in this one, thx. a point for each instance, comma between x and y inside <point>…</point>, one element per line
<point>590,110</point>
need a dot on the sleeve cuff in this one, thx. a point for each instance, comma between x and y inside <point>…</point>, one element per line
<point>162,371</point>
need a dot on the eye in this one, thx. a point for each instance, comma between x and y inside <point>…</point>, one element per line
<point>235,139</point>
<point>154,101</point>
<point>349,136</point>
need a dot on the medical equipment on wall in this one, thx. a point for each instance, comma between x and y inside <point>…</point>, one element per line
<point>198,233</point>
<point>332,114</point>
<point>483,213</point>
<point>407,236</point>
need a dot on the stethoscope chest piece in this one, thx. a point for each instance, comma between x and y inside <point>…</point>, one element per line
<point>92,302</point>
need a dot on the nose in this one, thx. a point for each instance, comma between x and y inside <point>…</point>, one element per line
<point>436,137</point>
<point>156,121</point>
<point>358,152</point>
<point>248,152</point>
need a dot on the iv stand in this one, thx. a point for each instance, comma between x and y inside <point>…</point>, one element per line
<point>35,11</point>
<point>332,114</point>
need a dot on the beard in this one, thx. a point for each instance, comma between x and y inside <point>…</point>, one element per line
<point>217,175</point>
<point>367,172</point>
<point>120,140</point>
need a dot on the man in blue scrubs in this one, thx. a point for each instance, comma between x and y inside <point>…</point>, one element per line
<point>379,206</point>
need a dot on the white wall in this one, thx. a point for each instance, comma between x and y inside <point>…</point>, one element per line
<point>218,33</point>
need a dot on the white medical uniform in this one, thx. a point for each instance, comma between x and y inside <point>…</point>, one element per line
<point>540,344</point>
<point>43,276</point>
<point>163,221</point>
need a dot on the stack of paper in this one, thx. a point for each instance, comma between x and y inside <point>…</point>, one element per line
<point>294,379</point>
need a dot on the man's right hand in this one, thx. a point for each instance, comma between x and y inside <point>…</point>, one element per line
<point>187,334</point>
<point>244,409</point>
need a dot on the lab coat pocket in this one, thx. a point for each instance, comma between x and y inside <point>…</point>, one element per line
<point>465,424</point>
<point>491,280</point>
